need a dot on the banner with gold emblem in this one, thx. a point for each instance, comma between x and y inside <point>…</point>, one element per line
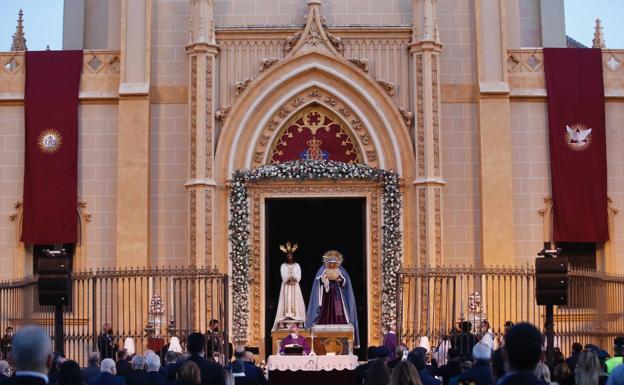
<point>578,155</point>
<point>51,147</point>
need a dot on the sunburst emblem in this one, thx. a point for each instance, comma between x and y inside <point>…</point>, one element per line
<point>578,137</point>
<point>50,141</point>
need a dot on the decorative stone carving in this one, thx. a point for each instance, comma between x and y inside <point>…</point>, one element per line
<point>286,111</point>
<point>19,207</point>
<point>267,63</point>
<point>291,41</point>
<point>387,86</point>
<point>336,41</point>
<point>362,63</point>
<point>242,85</point>
<point>407,116</point>
<point>223,113</point>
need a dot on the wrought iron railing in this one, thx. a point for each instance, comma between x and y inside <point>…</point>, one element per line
<point>434,300</point>
<point>189,299</point>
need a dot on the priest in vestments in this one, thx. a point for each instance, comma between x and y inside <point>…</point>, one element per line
<point>295,339</point>
<point>332,301</point>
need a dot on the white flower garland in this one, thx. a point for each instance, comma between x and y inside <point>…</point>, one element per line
<point>310,170</point>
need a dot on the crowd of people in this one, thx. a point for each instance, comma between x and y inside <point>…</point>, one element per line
<point>467,360</point>
<point>519,359</point>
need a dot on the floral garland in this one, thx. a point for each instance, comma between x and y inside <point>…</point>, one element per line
<point>312,170</point>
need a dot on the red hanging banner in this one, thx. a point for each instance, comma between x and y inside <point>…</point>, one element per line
<point>578,156</point>
<point>51,148</point>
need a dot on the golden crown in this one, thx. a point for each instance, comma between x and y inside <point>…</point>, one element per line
<point>333,256</point>
<point>289,248</point>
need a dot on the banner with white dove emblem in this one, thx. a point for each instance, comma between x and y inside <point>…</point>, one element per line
<point>578,156</point>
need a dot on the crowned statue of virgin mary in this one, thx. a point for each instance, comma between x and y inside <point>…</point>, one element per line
<point>332,301</point>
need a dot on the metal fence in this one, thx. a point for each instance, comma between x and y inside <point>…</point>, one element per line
<point>148,305</point>
<point>433,301</point>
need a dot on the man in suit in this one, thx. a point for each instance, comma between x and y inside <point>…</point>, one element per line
<point>123,365</point>
<point>108,374</point>
<point>523,349</point>
<point>32,355</point>
<point>211,373</point>
<point>138,369</point>
<point>93,367</point>
<point>418,357</point>
<point>244,371</point>
<point>106,343</point>
<point>153,376</point>
<point>213,340</point>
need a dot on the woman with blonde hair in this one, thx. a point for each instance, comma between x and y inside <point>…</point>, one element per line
<point>588,369</point>
<point>405,374</point>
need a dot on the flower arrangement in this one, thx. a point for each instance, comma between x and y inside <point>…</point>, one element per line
<point>239,233</point>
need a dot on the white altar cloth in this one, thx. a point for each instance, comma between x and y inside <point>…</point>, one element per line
<point>312,363</point>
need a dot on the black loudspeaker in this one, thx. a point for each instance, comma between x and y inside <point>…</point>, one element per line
<point>551,281</point>
<point>54,284</point>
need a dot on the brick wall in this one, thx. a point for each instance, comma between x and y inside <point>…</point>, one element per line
<point>456,23</point>
<point>615,171</point>
<point>169,37</point>
<point>530,23</point>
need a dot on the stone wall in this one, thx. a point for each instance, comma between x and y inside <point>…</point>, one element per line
<point>530,23</point>
<point>169,37</point>
<point>457,34</point>
<point>169,213</point>
<point>460,168</point>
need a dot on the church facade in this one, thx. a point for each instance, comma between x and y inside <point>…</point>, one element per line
<point>177,96</point>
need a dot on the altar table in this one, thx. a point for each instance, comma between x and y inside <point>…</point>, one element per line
<point>311,370</point>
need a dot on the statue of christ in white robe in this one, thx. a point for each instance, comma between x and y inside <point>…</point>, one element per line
<point>290,305</point>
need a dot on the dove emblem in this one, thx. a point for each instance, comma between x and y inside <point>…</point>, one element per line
<point>578,137</point>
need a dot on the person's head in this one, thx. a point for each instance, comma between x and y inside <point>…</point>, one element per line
<point>94,358</point>
<point>508,325</point>
<point>618,346</point>
<point>214,325</point>
<point>485,326</point>
<point>239,352</point>
<point>171,357</point>
<point>153,362</point>
<point>382,353</point>
<point>558,357</point>
<point>400,350</point>
<point>5,368</point>
<point>148,353</point>
<point>189,373</point>
<point>9,330</point>
<point>32,350</point>
<point>249,357</point>
<point>542,373</point>
<point>122,355</point>
<point>370,353</point>
<point>70,373</point>
<point>294,328</point>
<point>418,358</point>
<point>523,347</point>
<point>196,341</point>
<point>481,352</point>
<point>466,326</point>
<point>452,354</point>
<point>138,362</point>
<point>378,374</point>
<point>588,368</point>
<point>106,328</point>
<point>290,257</point>
<point>577,348</point>
<point>404,373</point>
<point>108,366</point>
<point>561,372</point>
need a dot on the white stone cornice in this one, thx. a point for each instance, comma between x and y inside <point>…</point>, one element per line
<point>429,181</point>
<point>497,88</point>
<point>200,182</point>
<point>134,88</point>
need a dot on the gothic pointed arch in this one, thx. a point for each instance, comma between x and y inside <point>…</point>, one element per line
<point>313,71</point>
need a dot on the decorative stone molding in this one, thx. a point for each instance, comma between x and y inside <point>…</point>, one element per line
<point>242,85</point>
<point>291,41</point>
<point>407,116</point>
<point>387,86</point>
<point>291,107</point>
<point>362,63</point>
<point>267,63</point>
<point>314,35</point>
<point>222,113</point>
<point>19,208</point>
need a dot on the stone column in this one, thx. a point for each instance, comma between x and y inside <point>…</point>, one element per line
<point>552,16</point>
<point>202,52</point>
<point>134,135</point>
<point>425,50</point>
<point>73,24</point>
<point>494,134</point>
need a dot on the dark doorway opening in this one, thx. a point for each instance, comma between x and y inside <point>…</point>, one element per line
<point>317,225</point>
